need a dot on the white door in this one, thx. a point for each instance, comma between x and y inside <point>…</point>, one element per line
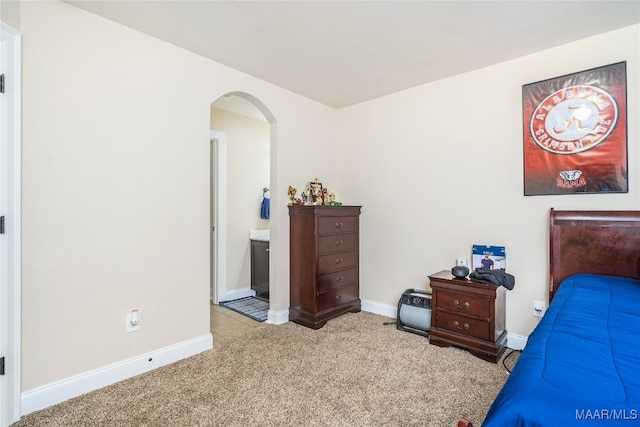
<point>4,282</point>
<point>218,215</point>
<point>9,225</point>
<point>212,220</point>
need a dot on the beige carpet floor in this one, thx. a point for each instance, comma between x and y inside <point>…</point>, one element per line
<point>355,371</point>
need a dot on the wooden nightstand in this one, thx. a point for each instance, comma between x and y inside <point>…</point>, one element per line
<point>468,315</point>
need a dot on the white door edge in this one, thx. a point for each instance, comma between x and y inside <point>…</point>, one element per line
<point>219,199</point>
<point>11,137</point>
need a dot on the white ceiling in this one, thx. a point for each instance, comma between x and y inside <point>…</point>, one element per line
<point>341,53</point>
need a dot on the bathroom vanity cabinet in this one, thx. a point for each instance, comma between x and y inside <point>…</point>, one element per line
<point>260,268</point>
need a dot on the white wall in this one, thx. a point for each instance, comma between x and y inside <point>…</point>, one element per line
<point>116,188</point>
<point>438,168</point>
<point>248,154</point>
<point>10,13</point>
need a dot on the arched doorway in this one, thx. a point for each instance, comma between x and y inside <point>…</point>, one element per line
<point>242,137</point>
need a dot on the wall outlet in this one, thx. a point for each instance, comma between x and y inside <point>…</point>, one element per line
<point>538,308</point>
<point>464,262</point>
<point>133,321</point>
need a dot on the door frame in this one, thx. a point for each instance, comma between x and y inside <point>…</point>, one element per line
<point>10,144</point>
<point>218,229</point>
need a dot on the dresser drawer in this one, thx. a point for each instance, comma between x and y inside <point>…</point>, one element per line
<point>336,297</point>
<point>464,303</point>
<point>463,325</point>
<point>337,279</point>
<point>339,242</point>
<point>338,261</point>
<point>338,225</point>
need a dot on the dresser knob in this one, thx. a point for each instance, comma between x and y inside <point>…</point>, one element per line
<point>339,261</point>
<point>339,224</point>
<point>338,296</point>
<point>339,279</point>
<point>457,325</point>
<point>457,304</point>
<point>339,243</point>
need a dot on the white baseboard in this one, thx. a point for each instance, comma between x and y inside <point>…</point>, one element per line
<point>379,308</point>
<point>514,341</point>
<point>237,294</point>
<point>59,391</point>
<point>278,317</point>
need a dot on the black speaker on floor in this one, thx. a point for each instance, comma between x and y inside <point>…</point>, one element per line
<point>414,312</point>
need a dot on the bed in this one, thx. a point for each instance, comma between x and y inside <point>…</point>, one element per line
<point>581,364</point>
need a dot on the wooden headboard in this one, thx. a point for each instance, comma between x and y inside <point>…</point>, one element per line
<point>595,242</point>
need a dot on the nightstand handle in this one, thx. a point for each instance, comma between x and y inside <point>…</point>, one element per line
<point>339,224</point>
<point>339,261</point>
<point>457,324</point>
<point>339,279</point>
<point>338,242</point>
<point>457,303</point>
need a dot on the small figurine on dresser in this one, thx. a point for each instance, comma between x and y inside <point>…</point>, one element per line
<point>314,194</point>
<point>307,195</point>
<point>292,195</point>
<point>333,201</point>
<point>315,190</point>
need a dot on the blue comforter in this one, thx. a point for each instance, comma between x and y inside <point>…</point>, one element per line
<point>581,364</point>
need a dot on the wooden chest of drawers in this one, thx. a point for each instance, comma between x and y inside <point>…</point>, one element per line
<point>469,315</point>
<point>324,263</point>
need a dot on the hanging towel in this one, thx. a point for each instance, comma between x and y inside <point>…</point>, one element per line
<point>265,206</point>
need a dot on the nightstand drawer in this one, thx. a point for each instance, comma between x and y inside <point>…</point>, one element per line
<point>338,225</point>
<point>337,279</point>
<point>338,261</point>
<point>340,242</point>
<point>465,304</point>
<point>463,325</point>
<point>337,297</point>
